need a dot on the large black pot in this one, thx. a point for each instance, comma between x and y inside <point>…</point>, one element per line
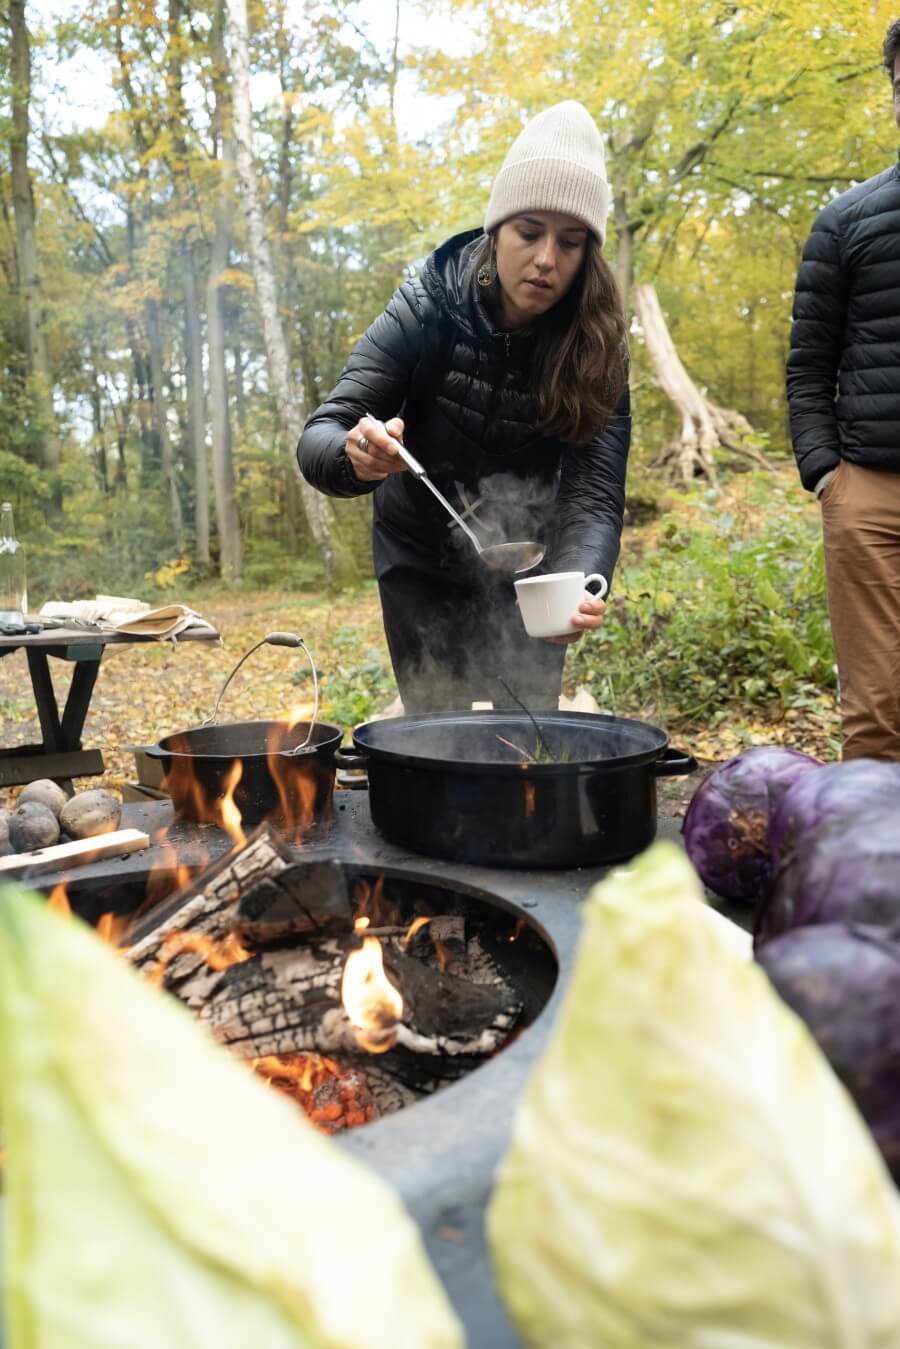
<point>291,790</point>
<point>445,785</point>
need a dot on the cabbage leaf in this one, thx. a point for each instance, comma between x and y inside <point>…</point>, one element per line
<point>158,1194</point>
<point>685,1168</point>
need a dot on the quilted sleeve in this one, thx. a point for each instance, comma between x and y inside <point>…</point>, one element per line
<point>591,501</point>
<point>376,380</point>
<point>817,341</point>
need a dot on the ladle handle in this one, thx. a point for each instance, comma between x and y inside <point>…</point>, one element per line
<point>417,470</point>
<point>411,462</point>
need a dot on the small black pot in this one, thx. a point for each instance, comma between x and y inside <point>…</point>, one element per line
<point>446,785</point>
<point>288,789</point>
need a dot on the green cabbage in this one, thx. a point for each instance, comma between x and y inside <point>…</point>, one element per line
<point>685,1168</point>
<point>161,1197</point>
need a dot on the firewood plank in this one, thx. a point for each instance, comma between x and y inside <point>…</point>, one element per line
<point>76,853</point>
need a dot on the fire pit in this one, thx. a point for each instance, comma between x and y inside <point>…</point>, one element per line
<point>353,989</point>
<point>439,1153</point>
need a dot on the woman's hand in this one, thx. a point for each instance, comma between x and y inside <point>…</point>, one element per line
<point>376,457</point>
<point>590,615</point>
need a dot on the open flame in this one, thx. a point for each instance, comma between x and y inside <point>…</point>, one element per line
<point>372,1003</point>
<point>185,787</point>
<point>217,954</point>
<point>59,899</point>
<point>297,777</point>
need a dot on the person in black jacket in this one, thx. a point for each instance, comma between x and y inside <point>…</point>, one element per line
<point>843,383</point>
<point>503,368</point>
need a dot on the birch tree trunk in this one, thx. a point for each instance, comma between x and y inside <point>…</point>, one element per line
<point>319,514</point>
<point>704,426</point>
<point>193,351</point>
<point>37,363</point>
<point>227,522</point>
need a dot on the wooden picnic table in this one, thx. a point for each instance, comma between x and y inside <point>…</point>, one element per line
<point>60,755</point>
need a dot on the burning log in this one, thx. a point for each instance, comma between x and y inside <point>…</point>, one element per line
<point>207,907</point>
<point>289,1001</point>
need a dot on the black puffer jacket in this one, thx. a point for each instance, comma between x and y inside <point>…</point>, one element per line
<point>846,334</point>
<point>462,386</point>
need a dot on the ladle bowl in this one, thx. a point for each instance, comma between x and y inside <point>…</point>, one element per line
<point>512,557</point>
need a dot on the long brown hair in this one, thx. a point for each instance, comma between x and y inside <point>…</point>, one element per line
<point>580,363</point>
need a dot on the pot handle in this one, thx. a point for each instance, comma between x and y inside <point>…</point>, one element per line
<point>349,766</point>
<point>673,763</point>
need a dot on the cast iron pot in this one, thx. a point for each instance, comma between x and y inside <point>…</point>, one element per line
<point>197,764</point>
<point>446,785</point>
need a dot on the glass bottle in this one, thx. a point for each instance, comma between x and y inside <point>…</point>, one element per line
<point>13,591</point>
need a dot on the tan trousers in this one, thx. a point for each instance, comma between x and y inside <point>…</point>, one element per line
<point>861,524</point>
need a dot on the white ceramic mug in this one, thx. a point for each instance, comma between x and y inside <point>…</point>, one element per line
<point>547,603</point>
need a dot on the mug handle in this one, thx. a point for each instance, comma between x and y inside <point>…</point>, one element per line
<point>602,585</point>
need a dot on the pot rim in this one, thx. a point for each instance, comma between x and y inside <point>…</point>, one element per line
<point>163,749</point>
<point>589,721</point>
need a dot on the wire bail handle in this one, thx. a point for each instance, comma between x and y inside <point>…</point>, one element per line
<point>275,639</point>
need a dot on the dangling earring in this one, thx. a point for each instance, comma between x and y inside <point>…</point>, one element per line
<point>487,272</point>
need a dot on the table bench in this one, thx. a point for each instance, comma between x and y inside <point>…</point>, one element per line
<point>60,755</point>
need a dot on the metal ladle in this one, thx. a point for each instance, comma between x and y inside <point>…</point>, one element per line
<point>508,557</point>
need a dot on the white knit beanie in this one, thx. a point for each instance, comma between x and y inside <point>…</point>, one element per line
<point>557,163</point>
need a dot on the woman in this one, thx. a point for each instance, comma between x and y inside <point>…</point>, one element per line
<point>503,368</point>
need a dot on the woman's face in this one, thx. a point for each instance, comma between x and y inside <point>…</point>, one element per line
<point>538,255</point>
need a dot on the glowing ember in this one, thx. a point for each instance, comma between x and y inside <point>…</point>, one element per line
<point>332,1097</point>
<point>372,1003</point>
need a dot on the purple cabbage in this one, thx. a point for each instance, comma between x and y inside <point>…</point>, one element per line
<point>846,870</point>
<point>726,825</point>
<point>839,789</point>
<point>844,982</point>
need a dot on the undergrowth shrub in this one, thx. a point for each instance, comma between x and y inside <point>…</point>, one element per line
<point>724,614</point>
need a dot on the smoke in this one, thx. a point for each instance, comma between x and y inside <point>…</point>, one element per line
<point>507,508</point>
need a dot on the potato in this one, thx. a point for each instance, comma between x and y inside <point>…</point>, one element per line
<point>91,813</point>
<point>47,792</point>
<point>31,826</point>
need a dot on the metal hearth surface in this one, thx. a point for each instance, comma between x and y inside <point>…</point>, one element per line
<point>439,1154</point>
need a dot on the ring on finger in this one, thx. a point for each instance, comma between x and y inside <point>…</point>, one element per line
<point>362,442</point>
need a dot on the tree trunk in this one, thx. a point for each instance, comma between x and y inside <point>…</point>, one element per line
<point>705,427</point>
<point>227,523</point>
<point>40,387</point>
<point>193,351</point>
<point>318,510</point>
<point>624,251</point>
<point>167,460</point>
<point>97,424</point>
<point>233,316</point>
